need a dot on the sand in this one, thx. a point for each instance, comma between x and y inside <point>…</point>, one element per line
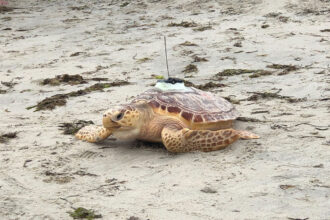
<point>44,174</point>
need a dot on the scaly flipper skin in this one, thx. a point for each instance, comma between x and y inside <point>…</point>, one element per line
<point>93,133</point>
<point>185,140</point>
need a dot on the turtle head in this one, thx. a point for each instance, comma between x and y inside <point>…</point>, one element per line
<point>125,120</point>
<point>121,117</point>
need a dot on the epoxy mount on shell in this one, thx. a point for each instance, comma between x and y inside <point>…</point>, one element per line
<point>172,84</point>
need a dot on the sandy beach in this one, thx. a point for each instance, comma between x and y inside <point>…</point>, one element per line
<point>63,63</point>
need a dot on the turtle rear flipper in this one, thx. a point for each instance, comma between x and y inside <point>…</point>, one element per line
<point>185,140</point>
<point>92,133</point>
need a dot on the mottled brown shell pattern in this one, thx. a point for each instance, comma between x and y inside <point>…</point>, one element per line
<point>196,106</point>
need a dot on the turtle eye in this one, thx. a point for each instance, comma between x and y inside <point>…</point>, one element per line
<point>119,116</point>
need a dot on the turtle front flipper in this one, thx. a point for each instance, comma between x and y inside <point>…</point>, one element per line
<point>185,140</point>
<point>92,133</point>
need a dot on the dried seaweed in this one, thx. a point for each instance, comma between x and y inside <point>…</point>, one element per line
<point>190,68</point>
<point>281,66</point>
<point>307,11</point>
<point>272,14</point>
<point>65,78</point>
<point>208,190</point>
<point>185,24</point>
<point>286,68</point>
<point>143,60</point>
<point>232,100</point>
<point>268,95</point>
<point>59,179</point>
<point>6,8</point>
<point>133,218</point>
<point>203,28</point>
<point>124,4</point>
<point>98,68</point>
<point>76,54</point>
<point>189,84</point>
<point>70,128</point>
<point>283,19</point>
<point>285,187</point>
<point>260,112</point>
<point>50,102</point>
<point>210,85</point>
<point>206,86</point>
<point>79,8</point>
<point>10,84</point>
<point>188,44</point>
<point>247,119</point>
<point>233,72</point>
<point>256,73</point>
<point>259,73</point>
<point>81,213</point>
<point>238,44</point>
<point>199,59</point>
<point>290,218</point>
<point>4,138</point>
<point>60,99</point>
<point>99,79</point>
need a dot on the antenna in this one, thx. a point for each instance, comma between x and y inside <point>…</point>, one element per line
<point>168,72</point>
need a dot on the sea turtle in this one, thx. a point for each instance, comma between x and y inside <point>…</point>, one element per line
<point>182,118</point>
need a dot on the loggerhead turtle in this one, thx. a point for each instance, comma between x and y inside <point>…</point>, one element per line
<point>182,118</point>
